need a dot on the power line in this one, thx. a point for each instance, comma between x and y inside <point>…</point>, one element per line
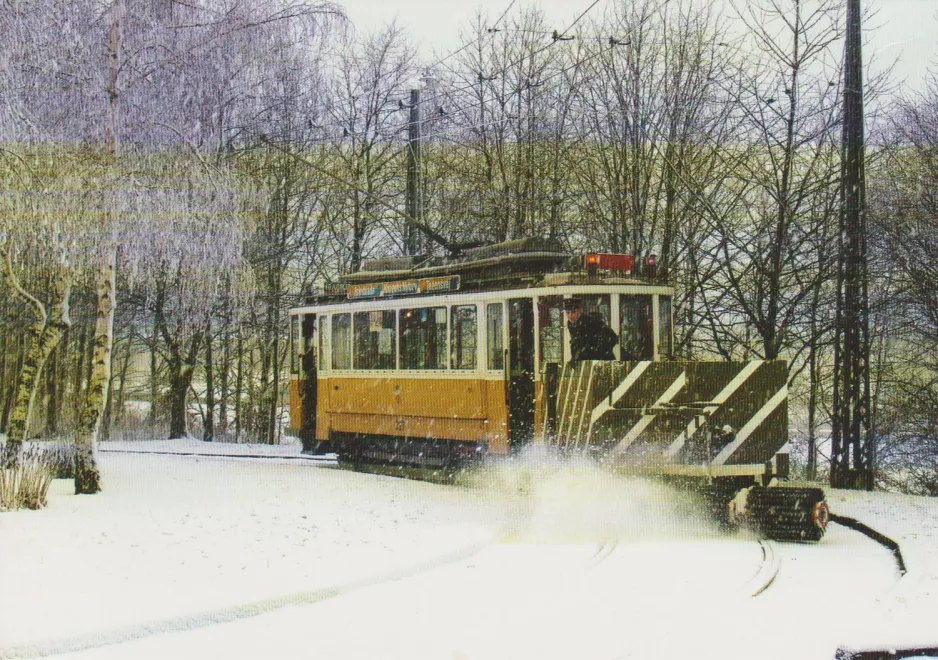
<point>350,134</point>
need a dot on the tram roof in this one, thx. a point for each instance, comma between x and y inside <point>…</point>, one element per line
<point>525,263</point>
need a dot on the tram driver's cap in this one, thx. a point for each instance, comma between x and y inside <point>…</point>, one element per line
<point>572,304</point>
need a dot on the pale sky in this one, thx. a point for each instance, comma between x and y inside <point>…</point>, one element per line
<point>903,29</point>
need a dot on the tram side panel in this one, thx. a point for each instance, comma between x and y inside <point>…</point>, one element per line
<point>387,408</point>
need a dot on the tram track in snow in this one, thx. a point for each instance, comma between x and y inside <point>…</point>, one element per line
<point>319,460</point>
<point>762,578</point>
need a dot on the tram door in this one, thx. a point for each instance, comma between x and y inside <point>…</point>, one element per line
<point>309,367</point>
<point>550,330</point>
<point>521,372</point>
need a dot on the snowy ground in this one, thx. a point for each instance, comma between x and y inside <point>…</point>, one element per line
<point>205,557</point>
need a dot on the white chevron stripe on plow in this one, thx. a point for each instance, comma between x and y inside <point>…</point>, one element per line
<point>718,401</point>
<point>751,426</point>
<point>643,423</point>
<point>586,396</point>
<point>608,403</point>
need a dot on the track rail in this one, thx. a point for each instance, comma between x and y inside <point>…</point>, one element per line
<point>768,569</point>
<point>762,579</point>
<point>309,459</point>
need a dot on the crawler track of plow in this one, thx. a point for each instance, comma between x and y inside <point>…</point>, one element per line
<point>789,514</point>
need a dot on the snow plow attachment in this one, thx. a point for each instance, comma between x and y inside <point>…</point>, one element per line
<point>720,424</point>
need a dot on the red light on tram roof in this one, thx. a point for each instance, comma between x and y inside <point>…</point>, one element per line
<point>615,262</point>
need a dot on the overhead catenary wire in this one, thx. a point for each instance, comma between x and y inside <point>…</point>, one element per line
<point>347,134</point>
<point>527,84</point>
<point>439,62</point>
<point>615,113</point>
<point>611,41</point>
<point>492,28</point>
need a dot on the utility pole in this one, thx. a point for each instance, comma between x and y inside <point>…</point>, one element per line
<point>853,450</point>
<point>413,195</point>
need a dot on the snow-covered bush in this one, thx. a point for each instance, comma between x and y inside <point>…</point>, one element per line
<point>26,485</point>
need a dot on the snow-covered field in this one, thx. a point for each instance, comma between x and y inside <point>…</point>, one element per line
<point>215,557</point>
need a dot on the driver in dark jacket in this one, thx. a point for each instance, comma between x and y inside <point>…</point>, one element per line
<point>590,337</point>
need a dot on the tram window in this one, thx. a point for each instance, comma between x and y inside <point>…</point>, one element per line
<point>375,338</point>
<point>463,337</point>
<point>549,329</point>
<point>322,348</point>
<point>306,340</point>
<point>493,326</point>
<point>664,326</point>
<point>423,338</point>
<point>597,305</point>
<point>295,343</point>
<point>342,341</point>
<point>635,327</point>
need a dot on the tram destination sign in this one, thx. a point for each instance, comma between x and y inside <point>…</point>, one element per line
<point>404,287</point>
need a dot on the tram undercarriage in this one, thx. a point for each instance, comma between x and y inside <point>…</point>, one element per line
<point>358,450</point>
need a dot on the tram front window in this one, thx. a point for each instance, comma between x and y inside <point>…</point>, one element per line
<point>375,339</point>
<point>550,329</point>
<point>423,338</point>
<point>463,337</point>
<point>665,347</point>
<point>635,328</point>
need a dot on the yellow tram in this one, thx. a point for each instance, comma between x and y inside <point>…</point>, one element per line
<point>439,362</point>
<point>449,361</point>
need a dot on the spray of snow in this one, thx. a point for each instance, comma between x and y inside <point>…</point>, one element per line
<point>571,499</point>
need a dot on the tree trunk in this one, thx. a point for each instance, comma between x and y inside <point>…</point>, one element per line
<point>105,432</point>
<point>52,392</point>
<point>42,343</point>
<point>154,390</point>
<point>225,366</point>
<point>89,364</point>
<point>44,337</point>
<point>79,351</point>
<point>261,426</point>
<point>60,371</point>
<point>239,382</point>
<point>122,377</point>
<point>181,371</point>
<point>3,376</point>
<point>10,393</point>
<point>87,475</point>
<point>272,426</point>
<point>180,377</point>
<point>208,433</point>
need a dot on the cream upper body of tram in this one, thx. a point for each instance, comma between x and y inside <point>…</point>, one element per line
<point>448,362</point>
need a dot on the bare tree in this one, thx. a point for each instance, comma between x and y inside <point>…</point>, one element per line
<point>904,222</point>
<point>499,157</point>
<point>22,256</point>
<point>789,166</point>
<point>364,116</point>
